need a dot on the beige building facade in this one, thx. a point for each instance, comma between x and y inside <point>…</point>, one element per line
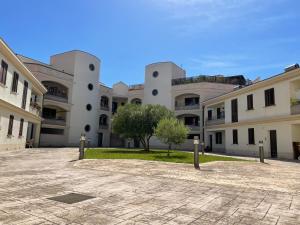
<point>21,96</point>
<point>267,111</point>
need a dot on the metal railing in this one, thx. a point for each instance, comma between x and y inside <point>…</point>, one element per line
<point>58,98</point>
<point>104,108</point>
<point>194,127</point>
<point>103,126</point>
<point>187,107</point>
<point>215,121</point>
<point>60,122</point>
<point>295,108</point>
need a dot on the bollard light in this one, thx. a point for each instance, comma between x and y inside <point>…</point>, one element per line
<point>196,152</point>
<point>261,151</point>
<point>81,146</point>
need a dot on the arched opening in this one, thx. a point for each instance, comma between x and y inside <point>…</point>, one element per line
<point>136,101</point>
<point>103,121</point>
<point>54,115</point>
<point>56,91</point>
<point>104,103</point>
<point>187,101</point>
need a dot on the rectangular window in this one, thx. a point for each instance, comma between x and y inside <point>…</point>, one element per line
<point>24,99</point>
<point>3,72</point>
<point>14,87</point>
<point>251,138</point>
<point>269,97</point>
<point>10,125</point>
<point>250,102</point>
<point>21,127</point>
<point>219,138</point>
<point>209,114</point>
<point>234,111</point>
<point>235,137</point>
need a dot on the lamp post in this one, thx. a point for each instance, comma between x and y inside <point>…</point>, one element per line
<point>81,146</point>
<point>196,152</point>
<point>261,151</point>
<point>202,147</point>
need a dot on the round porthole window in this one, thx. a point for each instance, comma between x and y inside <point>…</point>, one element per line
<point>92,67</point>
<point>154,92</point>
<point>155,74</point>
<point>87,128</point>
<point>88,107</point>
<point>90,87</point>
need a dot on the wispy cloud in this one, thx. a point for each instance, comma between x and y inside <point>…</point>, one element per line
<point>192,16</point>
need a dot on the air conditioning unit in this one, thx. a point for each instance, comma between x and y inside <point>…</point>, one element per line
<point>291,67</point>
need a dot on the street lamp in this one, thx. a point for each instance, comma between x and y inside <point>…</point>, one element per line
<point>261,151</point>
<point>81,146</point>
<point>196,152</point>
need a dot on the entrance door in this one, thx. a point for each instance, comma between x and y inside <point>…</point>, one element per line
<point>210,142</point>
<point>100,138</point>
<point>273,143</point>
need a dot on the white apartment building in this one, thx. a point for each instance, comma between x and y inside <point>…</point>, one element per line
<point>21,96</point>
<point>267,111</point>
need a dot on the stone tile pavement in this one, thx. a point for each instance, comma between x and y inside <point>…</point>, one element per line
<point>142,192</point>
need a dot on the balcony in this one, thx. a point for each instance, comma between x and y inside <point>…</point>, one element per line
<point>35,108</point>
<point>215,121</point>
<point>59,122</point>
<point>103,126</point>
<point>54,97</point>
<point>187,107</point>
<point>104,108</point>
<point>194,127</point>
<point>295,107</point>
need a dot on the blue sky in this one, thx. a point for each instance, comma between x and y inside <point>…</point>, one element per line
<point>250,37</point>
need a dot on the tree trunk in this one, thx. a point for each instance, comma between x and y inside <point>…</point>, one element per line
<point>144,143</point>
<point>169,150</point>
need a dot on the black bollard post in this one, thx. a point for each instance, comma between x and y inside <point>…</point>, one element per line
<point>202,147</point>
<point>196,152</point>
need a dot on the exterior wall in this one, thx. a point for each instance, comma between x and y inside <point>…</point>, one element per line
<point>13,142</point>
<point>78,63</point>
<point>11,103</point>
<point>162,83</point>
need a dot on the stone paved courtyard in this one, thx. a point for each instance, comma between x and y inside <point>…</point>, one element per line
<point>141,192</point>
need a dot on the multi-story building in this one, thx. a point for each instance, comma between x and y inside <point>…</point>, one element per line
<point>267,111</point>
<point>21,96</point>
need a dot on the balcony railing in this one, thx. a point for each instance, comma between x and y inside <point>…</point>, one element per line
<point>105,108</point>
<point>60,122</point>
<point>215,121</point>
<point>194,127</point>
<point>295,108</point>
<point>103,126</point>
<point>58,98</point>
<point>187,107</point>
<point>35,108</point>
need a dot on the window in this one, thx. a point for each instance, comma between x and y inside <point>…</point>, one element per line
<point>191,121</point>
<point>155,74</point>
<point>154,92</point>
<point>209,114</point>
<point>218,113</point>
<point>24,99</point>
<point>250,102</point>
<point>234,111</point>
<point>90,87</point>
<point>48,113</point>
<point>92,67</point>
<point>21,128</point>
<point>88,107</point>
<point>10,125</point>
<point>14,87</point>
<point>191,101</point>
<point>235,137</point>
<point>219,138</point>
<point>52,131</point>
<point>269,97</point>
<point>3,72</point>
<point>87,128</point>
<point>251,139</point>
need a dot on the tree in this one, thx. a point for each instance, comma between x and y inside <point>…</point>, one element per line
<point>171,131</point>
<point>139,121</point>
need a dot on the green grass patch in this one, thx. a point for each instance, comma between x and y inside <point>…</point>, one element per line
<point>153,155</point>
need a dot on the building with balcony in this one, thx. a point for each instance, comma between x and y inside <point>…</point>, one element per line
<point>21,96</point>
<point>266,111</point>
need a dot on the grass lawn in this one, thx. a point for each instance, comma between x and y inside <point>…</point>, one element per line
<point>153,155</point>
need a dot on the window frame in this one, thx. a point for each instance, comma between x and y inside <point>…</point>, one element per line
<point>21,127</point>
<point>24,96</point>
<point>234,113</point>
<point>15,82</point>
<point>250,104</point>
<point>219,138</point>
<point>269,97</point>
<point>10,125</point>
<point>235,137</point>
<point>3,72</point>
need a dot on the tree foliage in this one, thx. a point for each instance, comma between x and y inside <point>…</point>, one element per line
<point>139,121</point>
<point>171,131</point>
